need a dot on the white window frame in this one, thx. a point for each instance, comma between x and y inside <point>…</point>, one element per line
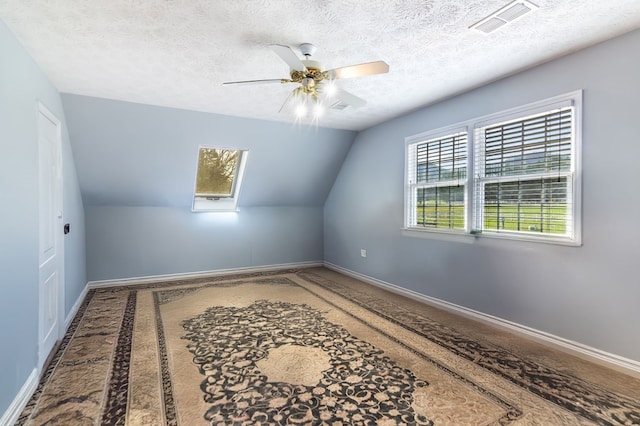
<point>473,206</point>
<point>411,192</point>
<point>222,204</point>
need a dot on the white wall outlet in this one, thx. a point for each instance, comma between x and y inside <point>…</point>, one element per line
<point>363,253</point>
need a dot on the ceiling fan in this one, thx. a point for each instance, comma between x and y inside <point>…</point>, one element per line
<point>316,90</point>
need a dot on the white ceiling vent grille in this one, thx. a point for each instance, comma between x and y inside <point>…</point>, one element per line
<point>338,105</point>
<point>509,13</point>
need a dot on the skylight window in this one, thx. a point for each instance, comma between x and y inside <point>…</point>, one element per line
<point>218,179</point>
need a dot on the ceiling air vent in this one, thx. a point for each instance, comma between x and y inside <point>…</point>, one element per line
<point>338,105</point>
<point>509,13</point>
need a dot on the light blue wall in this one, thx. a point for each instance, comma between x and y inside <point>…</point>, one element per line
<point>127,242</point>
<point>587,294</point>
<point>136,165</point>
<point>140,155</point>
<point>22,84</point>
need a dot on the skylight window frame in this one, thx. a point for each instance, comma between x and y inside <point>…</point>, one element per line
<point>220,202</point>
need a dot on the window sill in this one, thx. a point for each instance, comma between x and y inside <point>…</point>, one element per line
<point>214,210</point>
<point>464,237</point>
<point>453,236</point>
<point>530,239</point>
<point>222,205</point>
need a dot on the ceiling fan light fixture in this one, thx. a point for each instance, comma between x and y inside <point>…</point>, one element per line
<point>318,110</point>
<point>301,110</point>
<point>316,91</point>
<point>308,83</point>
<point>307,105</point>
<point>329,88</point>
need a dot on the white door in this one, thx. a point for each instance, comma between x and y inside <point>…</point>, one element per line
<point>51,302</point>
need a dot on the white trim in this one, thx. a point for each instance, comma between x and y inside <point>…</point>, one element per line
<point>20,401</point>
<point>410,146</point>
<point>189,275</point>
<point>440,234</point>
<point>434,135</point>
<point>22,398</point>
<point>533,108</point>
<point>476,236</point>
<point>74,309</point>
<point>613,361</point>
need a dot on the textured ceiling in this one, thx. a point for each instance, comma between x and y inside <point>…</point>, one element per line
<point>177,53</point>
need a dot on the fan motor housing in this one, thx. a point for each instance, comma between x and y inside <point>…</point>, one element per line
<point>314,71</point>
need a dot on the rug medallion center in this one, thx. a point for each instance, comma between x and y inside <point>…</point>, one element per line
<point>295,364</point>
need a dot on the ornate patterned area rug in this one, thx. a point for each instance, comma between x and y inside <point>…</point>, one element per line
<point>294,347</point>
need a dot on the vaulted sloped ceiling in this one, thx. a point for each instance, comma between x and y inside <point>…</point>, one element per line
<point>139,155</point>
<point>178,53</point>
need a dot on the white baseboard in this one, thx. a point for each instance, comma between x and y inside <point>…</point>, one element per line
<point>190,275</point>
<point>613,361</point>
<point>20,401</point>
<point>74,309</point>
<point>29,387</point>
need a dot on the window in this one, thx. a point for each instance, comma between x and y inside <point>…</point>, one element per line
<point>218,178</point>
<point>515,175</point>
<point>438,179</point>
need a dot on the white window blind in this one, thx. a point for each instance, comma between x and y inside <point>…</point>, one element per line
<point>524,175</point>
<point>437,180</point>
<point>516,175</point>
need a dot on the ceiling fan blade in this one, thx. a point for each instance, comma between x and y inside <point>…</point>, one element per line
<point>369,68</point>
<point>287,55</point>
<point>348,98</point>
<point>273,80</point>
<point>286,101</point>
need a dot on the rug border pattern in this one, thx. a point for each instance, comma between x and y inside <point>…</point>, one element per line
<point>512,412</point>
<point>590,406</point>
<point>28,410</point>
<point>490,359</point>
<point>115,409</point>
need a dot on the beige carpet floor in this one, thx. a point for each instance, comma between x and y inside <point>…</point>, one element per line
<point>308,346</point>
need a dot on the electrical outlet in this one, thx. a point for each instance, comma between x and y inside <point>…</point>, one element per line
<point>363,253</point>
